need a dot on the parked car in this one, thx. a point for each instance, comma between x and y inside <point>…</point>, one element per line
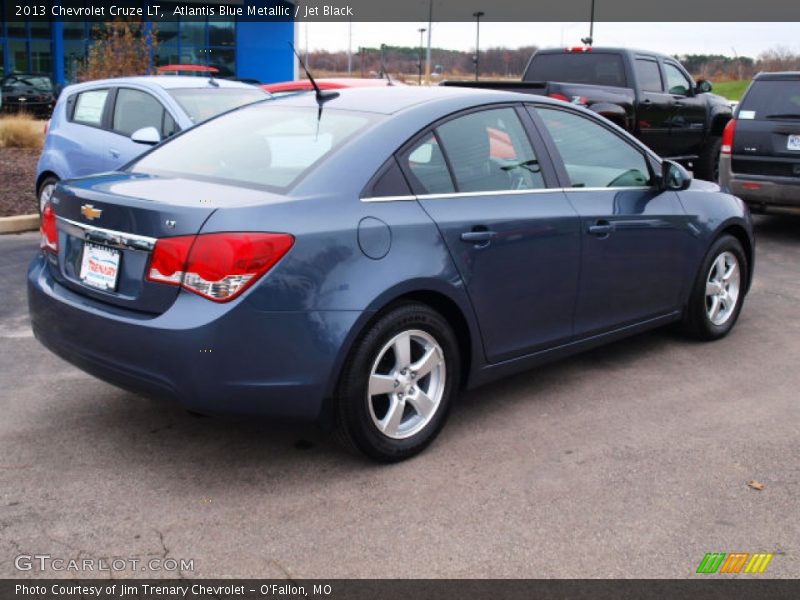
<point>649,94</point>
<point>760,159</point>
<point>32,93</point>
<point>187,70</point>
<point>101,125</point>
<point>331,83</point>
<point>361,260</point>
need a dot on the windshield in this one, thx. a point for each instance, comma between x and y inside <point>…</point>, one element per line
<point>776,99</point>
<point>20,81</point>
<point>597,68</point>
<point>266,145</point>
<point>203,103</point>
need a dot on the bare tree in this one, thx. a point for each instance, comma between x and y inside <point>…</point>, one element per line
<point>120,48</point>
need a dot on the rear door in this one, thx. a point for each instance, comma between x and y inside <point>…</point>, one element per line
<point>634,238</point>
<point>515,241</point>
<point>86,132</point>
<point>767,139</point>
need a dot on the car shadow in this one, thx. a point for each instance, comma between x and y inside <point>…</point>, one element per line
<point>777,227</point>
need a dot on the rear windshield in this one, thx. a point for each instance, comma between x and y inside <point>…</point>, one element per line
<point>771,99</point>
<point>202,103</point>
<point>597,68</point>
<point>28,81</point>
<point>265,145</point>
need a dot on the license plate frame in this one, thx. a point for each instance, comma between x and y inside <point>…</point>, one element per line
<point>793,143</point>
<point>100,267</point>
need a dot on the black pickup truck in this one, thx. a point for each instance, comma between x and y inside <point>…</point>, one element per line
<point>646,93</point>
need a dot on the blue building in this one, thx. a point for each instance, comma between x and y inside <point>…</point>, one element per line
<point>242,49</point>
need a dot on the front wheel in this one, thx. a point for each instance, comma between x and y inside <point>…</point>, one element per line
<point>718,292</point>
<point>398,385</point>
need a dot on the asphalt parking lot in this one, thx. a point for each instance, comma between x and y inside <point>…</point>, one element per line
<point>629,461</point>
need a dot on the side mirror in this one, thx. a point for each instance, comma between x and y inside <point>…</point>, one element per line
<point>674,177</point>
<point>703,86</point>
<point>146,135</point>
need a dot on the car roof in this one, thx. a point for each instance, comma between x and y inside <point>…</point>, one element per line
<point>167,82</point>
<point>778,75</point>
<point>390,99</point>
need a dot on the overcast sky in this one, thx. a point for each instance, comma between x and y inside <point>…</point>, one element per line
<point>744,39</point>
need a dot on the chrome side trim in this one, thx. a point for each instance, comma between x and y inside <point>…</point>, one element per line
<point>108,237</point>
<point>453,195</point>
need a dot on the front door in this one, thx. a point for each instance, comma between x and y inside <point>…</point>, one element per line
<point>634,237</point>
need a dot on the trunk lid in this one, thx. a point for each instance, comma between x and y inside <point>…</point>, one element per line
<point>108,225</point>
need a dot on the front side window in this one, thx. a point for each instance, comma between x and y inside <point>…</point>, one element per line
<point>134,110</point>
<point>89,107</point>
<point>677,82</point>
<point>264,145</point>
<point>593,156</point>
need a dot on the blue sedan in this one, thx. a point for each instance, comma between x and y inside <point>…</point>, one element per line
<point>361,257</point>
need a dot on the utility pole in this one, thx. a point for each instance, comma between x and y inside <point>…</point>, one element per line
<point>428,54</point>
<point>350,48</point>
<point>478,16</point>
<point>419,57</point>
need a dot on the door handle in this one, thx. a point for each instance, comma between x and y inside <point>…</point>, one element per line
<point>647,101</point>
<point>479,237</point>
<point>601,228</point>
<point>113,152</point>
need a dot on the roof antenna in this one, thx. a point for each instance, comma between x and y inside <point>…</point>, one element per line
<point>322,96</point>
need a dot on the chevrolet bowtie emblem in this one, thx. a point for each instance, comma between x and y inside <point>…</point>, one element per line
<point>90,212</point>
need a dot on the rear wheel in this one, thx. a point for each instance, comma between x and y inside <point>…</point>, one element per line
<point>46,191</point>
<point>398,385</point>
<point>718,292</point>
<point>707,166</point>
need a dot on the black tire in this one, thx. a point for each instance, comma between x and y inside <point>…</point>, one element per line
<point>707,165</point>
<point>356,409</point>
<point>697,322</point>
<point>47,181</point>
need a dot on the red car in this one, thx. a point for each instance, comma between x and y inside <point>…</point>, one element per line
<point>331,83</point>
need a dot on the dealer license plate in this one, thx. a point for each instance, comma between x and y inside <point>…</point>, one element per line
<point>793,143</point>
<point>100,267</point>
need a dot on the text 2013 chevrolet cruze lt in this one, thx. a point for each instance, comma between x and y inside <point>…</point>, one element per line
<point>359,259</point>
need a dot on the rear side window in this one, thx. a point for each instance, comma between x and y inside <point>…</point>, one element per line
<point>593,156</point>
<point>134,110</point>
<point>489,151</point>
<point>598,68</point>
<point>771,99</point>
<point>649,75</point>
<point>89,107</point>
<point>428,168</point>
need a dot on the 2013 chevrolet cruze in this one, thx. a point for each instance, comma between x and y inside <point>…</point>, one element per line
<point>359,259</point>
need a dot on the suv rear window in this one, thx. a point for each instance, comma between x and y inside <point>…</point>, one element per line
<point>597,68</point>
<point>771,99</point>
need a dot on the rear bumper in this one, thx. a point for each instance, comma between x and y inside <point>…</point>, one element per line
<point>758,190</point>
<point>215,358</point>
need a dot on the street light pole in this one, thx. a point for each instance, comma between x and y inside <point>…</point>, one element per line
<point>419,58</point>
<point>428,54</point>
<point>477,16</point>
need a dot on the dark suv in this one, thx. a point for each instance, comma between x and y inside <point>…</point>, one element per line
<point>760,157</point>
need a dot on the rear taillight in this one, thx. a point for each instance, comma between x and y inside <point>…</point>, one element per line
<point>558,96</point>
<point>578,49</point>
<point>217,266</point>
<point>727,137</point>
<point>48,229</point>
